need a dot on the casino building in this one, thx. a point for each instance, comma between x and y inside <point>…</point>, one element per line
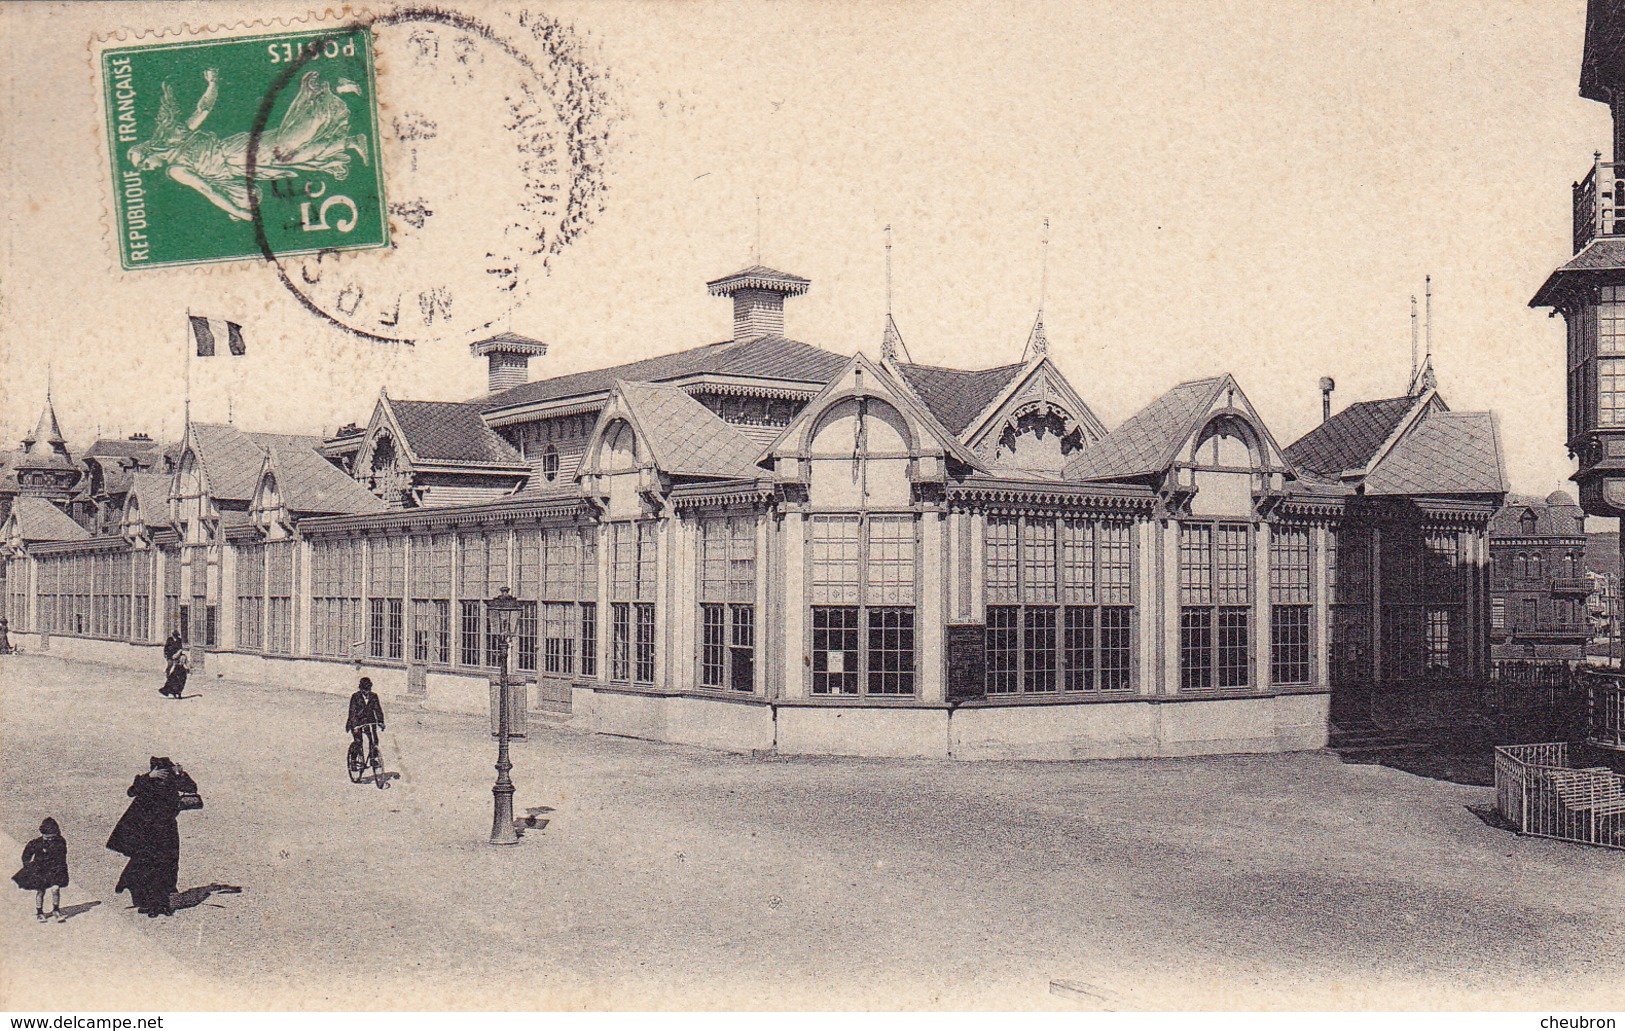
<point>763,544</point>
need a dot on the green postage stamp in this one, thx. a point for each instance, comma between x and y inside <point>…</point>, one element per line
<point>244,147</point>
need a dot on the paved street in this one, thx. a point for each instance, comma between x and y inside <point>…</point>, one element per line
<point>675,877</point>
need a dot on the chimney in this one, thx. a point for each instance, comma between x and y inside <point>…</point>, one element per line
<point>1327,385</point>
<point>758,294</point>
<point>507,358</point>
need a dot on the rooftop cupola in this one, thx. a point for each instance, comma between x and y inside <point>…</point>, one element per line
<point>758,294</point>
<point>508,358</point>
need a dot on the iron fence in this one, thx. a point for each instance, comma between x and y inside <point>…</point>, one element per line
<point>1540,793</point>
<point>1605,709</point>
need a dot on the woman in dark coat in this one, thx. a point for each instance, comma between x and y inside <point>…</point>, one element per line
<point>148,835</point>
<point>172,645</point>
<point>175,677</point>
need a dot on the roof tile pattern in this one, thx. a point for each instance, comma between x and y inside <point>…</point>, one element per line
<point>956,396</point>
<point>687,438</point>
<point>451,431</point>
<point>232,458</point>
<point>1349,439</point>
<point>39,520</point>
<point>1556,516</point>
<point>151,493</point>
<point>761,357</point>
<point>1141,445</point>
<point>311,485</point>
<point>1444,453</point>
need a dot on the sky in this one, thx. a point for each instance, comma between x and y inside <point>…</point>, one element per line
<point>1254,188</point>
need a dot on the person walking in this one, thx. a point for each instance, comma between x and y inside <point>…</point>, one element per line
<point>5,636</point>
<point>148,835</point>
<point>175,676</point>
<point>45,868</point>
<point>172,645</point>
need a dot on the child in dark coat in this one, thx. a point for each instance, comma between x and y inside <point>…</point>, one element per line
<point>45,867</point>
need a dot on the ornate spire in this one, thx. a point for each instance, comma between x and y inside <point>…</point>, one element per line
<point>48,430</point>
<point>1037,342</point>
<point>892,348</point>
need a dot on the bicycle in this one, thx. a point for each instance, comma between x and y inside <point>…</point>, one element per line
<point>357,761</point>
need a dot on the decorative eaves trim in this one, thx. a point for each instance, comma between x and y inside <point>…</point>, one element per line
<point>1051,496</point>
<point>432,518</point>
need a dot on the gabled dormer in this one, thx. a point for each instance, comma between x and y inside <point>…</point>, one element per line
<point>650,437</point>
<point>295,483</point>
<point>867,440</point>
<point>1202,445</point>
<point>421,453</point>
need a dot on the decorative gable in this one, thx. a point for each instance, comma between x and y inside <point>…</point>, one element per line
<point>383,464</point>
<point>1036,424</point>
<point>866,440</point>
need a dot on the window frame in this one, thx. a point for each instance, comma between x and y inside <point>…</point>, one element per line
<point>1216,628</point>
<point>1067,604</point>
<point>875,608</point>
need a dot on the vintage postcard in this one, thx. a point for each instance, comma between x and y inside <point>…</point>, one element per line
<point>812,506</point>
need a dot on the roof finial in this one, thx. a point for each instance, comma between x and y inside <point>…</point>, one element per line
<point>1043,273</point>
<point>1037,342</point>
<point>1429,284</point>
<point>1413,339</point>
<point>888,270</point>
<point>1422,377</point>
<point>756,247</point>
<point>892,347</point>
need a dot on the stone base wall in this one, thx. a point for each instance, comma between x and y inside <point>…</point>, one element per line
<point>1133,728</point>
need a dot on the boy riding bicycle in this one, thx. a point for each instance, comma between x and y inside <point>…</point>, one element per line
<point>366,718</point>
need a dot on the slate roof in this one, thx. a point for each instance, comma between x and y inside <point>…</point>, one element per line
<point>1443,453</point>
<point>1604,254</point>
<point>232,458</point>
<point>451,431</point>
<point>1349,439</point>
<point>151,491</point>
<point>759,277</point>
<point>686,437</point>
<point>1144,444</point>
<point>956,396</point>
<point>1557,516</point>
<point>311,485</point>
<point>39,520</point>
<point>767,357</point>
<point>146,450</point>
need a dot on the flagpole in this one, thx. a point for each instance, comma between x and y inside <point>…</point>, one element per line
<point>186,404</point>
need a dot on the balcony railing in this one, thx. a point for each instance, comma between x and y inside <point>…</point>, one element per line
<point>1595,213</point>
<point>1571,585</point>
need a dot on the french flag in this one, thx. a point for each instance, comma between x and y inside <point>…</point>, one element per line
<point>203,332</point>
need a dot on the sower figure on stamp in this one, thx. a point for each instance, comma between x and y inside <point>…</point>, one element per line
<point>314,136</point>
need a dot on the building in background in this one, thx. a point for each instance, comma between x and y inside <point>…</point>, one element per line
<point>1539,588</point>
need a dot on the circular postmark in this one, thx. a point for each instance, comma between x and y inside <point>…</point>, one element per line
<point>492,153</point>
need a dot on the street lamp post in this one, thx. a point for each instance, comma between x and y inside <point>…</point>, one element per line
<point>502,612</point>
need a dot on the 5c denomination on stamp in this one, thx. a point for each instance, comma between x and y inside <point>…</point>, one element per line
<point>223,149</point>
